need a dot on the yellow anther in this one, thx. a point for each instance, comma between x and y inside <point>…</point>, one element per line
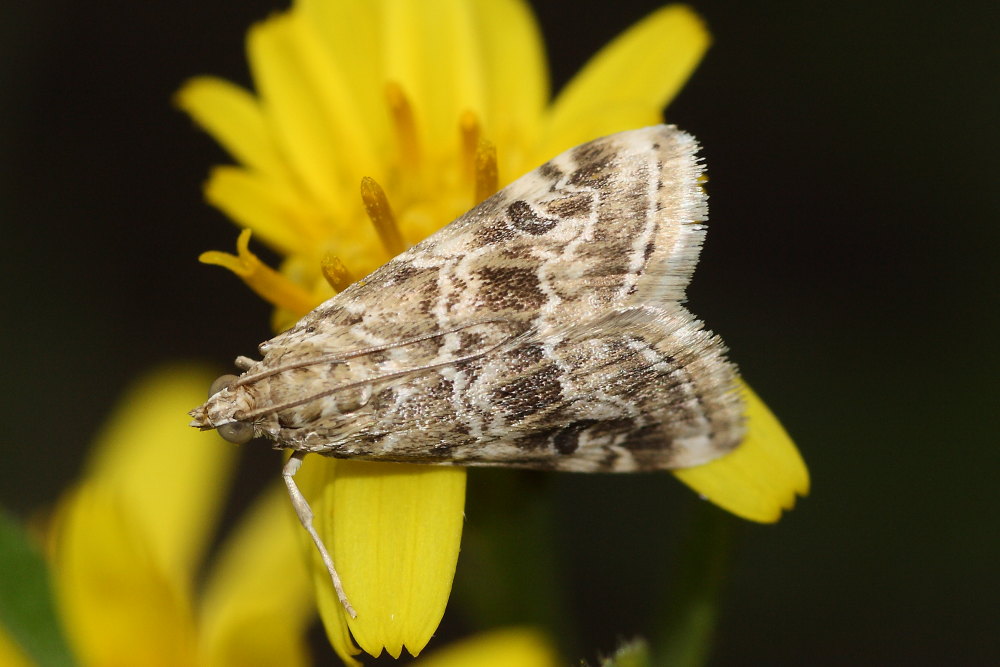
<point>335,272</point>
<point>404,122</point>
<point>468,127</point>
<point>486,170</point>
<point>377,207</point>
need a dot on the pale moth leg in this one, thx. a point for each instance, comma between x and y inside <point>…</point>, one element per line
<point>305,515</point>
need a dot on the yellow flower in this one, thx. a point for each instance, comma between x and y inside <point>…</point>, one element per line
<point>127,542</point>
<point>426,107</point>
<point>11,654</point>
<point>500,648</point>
<point>761,477</point>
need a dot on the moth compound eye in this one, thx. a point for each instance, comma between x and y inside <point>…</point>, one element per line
<point>236,432</point>
<point>221,382</point>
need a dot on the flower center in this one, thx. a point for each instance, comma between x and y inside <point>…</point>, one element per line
<point>477,164</point>
<point>423,197</point>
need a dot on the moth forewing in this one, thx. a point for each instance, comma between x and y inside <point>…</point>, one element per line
<point>543,328</point>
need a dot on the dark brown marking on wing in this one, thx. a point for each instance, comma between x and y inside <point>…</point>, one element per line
<point>567,439</point>
<point>458,288</point>
<point>487,223</point>
<point>348,319</point>
<point>523,218</point>
<point>441,452</point>
<point>534,442</point>
<point>493,232</point>
<point>649,438</point>
<point>574,206</point>
<point>594,175</point>
<point>470,340</point>
<point>597,165</point>
<point>401,272</point>
<point>550,172</point>
<point>529,393</point>
<point>648,251</point>
<point>595,152</point>
<point>510,288</point>
<point>386,397</point>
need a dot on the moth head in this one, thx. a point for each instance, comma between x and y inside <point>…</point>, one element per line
<point>226,401</point>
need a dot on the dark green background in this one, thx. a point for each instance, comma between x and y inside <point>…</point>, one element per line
<point>851,266</point>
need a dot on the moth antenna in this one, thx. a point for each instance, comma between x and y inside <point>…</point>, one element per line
<point>267,409</point>
<point>344,356</point>
<point>328,359</point>
<point>305,514</point>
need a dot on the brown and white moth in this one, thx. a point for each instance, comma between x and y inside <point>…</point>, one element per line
<point>542,329</point>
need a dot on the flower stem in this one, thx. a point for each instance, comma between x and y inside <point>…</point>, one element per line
<point>508,573</point>
<point>688,624</point>
<point>27,609</point>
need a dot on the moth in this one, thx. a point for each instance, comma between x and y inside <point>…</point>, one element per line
<point>545,328</point>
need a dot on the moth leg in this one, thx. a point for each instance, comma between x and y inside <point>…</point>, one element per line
<point>305,515</point>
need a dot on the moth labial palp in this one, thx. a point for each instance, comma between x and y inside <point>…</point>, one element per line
<point>544,329</point>
<point>243,363</point>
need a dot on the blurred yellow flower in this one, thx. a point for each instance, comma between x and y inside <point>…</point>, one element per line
<point>520,647</point>
<point>427,107</point>
<point>126,546</point>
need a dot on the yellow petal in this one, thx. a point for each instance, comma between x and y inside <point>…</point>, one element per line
<point>233,116</point>
<point>311,112</point>
<point>522,647</point>
<point>293,111</point>
<point>357,134</point>
<point>394,532</point>
<point>350,31</point>
<point>11,653</point>
<point>646,65</point>
<point>432,52</point>
<point>277,213</point>
<point>290,224</point>
<point>593,125</point>
<point>517,74</point>
<point>332,613</point>
<point>258,602</point>
<point>169,477</point>
<point>759,478</point>
<point>118,605</point>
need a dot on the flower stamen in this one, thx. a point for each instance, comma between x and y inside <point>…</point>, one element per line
<point>377,207</point>
<point>337,275</point>
<point>487,176</point>
<point>262,279</point>
<point>404,123</point>
<point>468,127</point>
